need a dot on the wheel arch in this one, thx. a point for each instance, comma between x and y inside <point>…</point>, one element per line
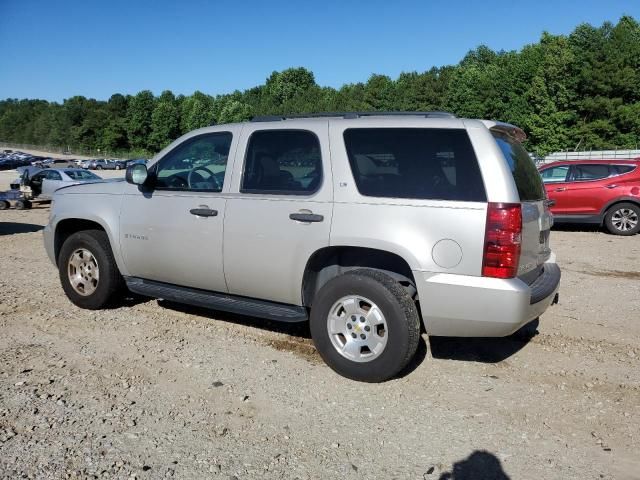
<point>68,226</point>
<point>613,203</point>
<point>329,262</point>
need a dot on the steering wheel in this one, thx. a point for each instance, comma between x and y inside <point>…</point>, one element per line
<point>190,179</point>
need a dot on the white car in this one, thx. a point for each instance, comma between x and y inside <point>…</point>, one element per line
<point>41,184</point>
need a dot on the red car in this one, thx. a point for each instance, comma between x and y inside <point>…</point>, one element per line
<point>595,191</point>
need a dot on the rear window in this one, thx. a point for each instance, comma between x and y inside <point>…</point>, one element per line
<point>525,173</point>
<point>418,163</point>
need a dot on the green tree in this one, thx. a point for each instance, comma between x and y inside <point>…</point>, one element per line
<point>165,121</point>
<point>139,111</point>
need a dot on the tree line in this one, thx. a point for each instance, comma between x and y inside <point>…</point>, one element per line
<point>568,92</point>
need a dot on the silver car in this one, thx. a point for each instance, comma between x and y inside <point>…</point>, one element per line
<point>368,226</point>
<point>41,184</point>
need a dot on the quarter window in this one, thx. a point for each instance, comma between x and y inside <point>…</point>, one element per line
<point>198,164</point>
<point>282,162</point>
<point>415,163</point>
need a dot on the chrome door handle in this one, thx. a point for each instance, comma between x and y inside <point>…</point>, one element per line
<point>306,217</point>
<point>611,186</point>
<point>561,189</point>
<point>203,212</point>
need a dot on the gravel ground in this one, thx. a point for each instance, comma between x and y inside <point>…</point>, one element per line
<point>154,390</point>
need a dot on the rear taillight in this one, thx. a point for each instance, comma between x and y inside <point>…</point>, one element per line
<point>502,239</point>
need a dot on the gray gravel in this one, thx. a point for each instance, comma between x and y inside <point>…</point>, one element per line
<point>153,390</point>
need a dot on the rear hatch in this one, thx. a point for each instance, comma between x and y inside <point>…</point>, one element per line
<point>536,217</point>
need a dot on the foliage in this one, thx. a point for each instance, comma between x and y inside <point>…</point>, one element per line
<point>579,91</point>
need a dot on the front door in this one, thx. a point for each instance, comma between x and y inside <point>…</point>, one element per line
<point>172,231</point>
<point>279,210</point>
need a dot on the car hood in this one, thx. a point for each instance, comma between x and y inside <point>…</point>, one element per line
<point>111,186</point>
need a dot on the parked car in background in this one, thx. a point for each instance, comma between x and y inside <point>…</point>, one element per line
<point>40,185</point>
<point>85,164</point>
<point>365,225</point>
<point>102,164</point>
<point>123,164</point>
<point>11,160</point>
<point>595,191</point>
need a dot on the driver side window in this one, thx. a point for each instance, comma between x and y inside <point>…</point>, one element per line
<point>198,164</point>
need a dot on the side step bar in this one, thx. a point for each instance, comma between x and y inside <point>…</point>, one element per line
<point>218,301</point>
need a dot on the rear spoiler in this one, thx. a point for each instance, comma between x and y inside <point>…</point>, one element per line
<point>513,131</point>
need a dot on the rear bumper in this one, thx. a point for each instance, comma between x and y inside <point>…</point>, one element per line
<point>466,306</point>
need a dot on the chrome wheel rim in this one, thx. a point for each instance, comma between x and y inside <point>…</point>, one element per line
<point>357,328</point>
<point>624,219</point>
<point>83,272</point>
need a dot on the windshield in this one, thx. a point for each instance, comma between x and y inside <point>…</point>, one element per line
<point>525,173</point>
<point>81,175</point>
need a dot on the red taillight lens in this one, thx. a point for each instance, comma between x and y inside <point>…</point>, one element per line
<point>502,239</point>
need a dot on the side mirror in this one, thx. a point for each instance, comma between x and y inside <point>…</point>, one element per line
<point>136,174</point>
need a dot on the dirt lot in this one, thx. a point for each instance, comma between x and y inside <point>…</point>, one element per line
<point>154,390</point>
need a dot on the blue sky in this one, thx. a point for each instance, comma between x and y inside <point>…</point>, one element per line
<point>56,49</point>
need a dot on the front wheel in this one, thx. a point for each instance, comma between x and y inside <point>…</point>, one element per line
<point>88,271</point>
<point>365,325</point>
<point>623,219</point>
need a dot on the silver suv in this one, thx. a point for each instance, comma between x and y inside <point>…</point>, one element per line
<point>366,225</point>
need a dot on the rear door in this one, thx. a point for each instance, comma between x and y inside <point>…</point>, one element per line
<point>536,217</point>
<point>586,193</point>
<point>279,211</point>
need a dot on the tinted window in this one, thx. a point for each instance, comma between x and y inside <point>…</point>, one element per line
<point>525,173</point>
<point>416,163</point>
<point>81,175</point>
<point>53,175</point>
<point>620,169</point>
<point>589,172</point>
<point>555,174</point>
<point>197,164</point>
<point>282,162</point>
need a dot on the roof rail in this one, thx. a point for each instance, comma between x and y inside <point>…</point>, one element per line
<point>351,115</point>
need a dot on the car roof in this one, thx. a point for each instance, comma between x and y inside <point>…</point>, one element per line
<point>627,161</point>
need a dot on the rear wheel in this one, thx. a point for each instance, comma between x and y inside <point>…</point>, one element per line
<point>365,325</point>
<point>23,204</point>
<point>623,219</point>
<point>4,205</point>
<point>88,271</point>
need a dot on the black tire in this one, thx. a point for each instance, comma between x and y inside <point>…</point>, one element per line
<point>610,223</point>
<point>110,283</point>
<point>4,205</point>
<point>20,205</point>
<point>98,167</point>
<point>399,310</point>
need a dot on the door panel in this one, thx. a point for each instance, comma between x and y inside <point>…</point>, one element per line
<point>558,192</point>
<point>162,240</point>
<point>266,250</point>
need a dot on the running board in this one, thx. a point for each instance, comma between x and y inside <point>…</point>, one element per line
<point>218,301</point>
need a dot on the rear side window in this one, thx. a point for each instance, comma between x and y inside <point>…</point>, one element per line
<point>418,163</point>
<point>525,173</point>
<point>589,172</point>
<point>284,162</point>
